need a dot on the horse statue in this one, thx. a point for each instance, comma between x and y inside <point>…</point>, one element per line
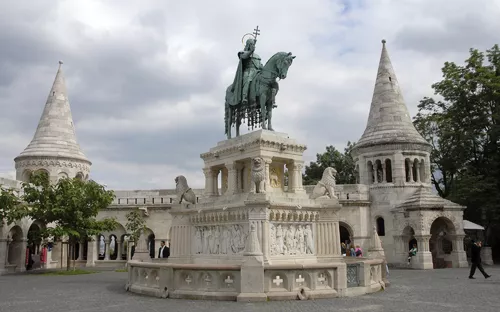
<point>261,98</point>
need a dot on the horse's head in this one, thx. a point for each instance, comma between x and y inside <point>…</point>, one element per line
<point>283,63</point>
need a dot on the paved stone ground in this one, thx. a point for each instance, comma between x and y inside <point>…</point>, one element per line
<point>429,291</point>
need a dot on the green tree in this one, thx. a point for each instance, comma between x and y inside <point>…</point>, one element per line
<point>342,162</point>
<point>135,224</point>
<point>11,208</point>
<point>464,128</point>
<point>71,205</point>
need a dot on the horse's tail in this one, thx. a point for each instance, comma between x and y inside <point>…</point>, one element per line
<point>228,98</point>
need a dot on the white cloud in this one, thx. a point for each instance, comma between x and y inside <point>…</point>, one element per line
<point>147,79</point>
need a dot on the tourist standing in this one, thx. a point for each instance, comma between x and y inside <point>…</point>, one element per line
<point>164,251</point>
<point>476,260</point>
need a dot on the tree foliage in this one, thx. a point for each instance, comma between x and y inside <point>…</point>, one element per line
<point>11,208</point>
<point>463,126</point>
<point>342,162</point>
<point>71,206</point>
<point>135,224</point>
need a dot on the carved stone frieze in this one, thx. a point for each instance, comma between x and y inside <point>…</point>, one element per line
<point>211,217</point>
<point>54,162</point>
<point>289,215</point>
<point>291,239</point>
<point>220,239</point>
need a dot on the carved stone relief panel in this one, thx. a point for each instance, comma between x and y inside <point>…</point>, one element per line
<point>291,239</point>
<point>220,239</point>
<point>276,175</point>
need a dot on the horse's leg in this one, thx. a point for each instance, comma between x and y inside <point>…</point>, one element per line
<point>263,111</point>
<point>270,116</point>
<point>238,124</point>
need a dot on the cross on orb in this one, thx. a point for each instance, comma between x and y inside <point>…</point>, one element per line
<point>188,280</point>
<point>256,32</point>
<point>228,281</point>
<point>278,280</point>
<point>300,280</point>
<point>321,278</point>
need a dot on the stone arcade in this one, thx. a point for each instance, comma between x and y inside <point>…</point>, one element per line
<point>392,194</point>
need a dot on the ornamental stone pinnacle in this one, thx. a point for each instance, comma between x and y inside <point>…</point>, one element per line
<point>55,137</point>
<point>389,120</point>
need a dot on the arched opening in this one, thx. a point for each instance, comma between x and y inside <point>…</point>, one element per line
<point>15,250</point>
<point>357,174</point>
<point>26,176</point>
<point>380,226</point>
<point>423,177</point>
<point>113,244</point>
<point>388,170</point>
<point>379,171</point>
<point>415,171</point>
<point>124,246</point>
<point>34,246</point>
<point>62,175</point>
<point>371,174</point>
<point>408,171</point>
<point>440,244</point>
<point>409,238</point>
<point>151,245</point>
<point>80,176</point>
<point>101,246</point>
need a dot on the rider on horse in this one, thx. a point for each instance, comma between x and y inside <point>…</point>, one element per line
<point>248,66</point>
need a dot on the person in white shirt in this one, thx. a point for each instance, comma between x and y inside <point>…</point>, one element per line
<point>164,251</point>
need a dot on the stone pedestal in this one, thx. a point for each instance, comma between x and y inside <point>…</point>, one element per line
<point>253,242</point>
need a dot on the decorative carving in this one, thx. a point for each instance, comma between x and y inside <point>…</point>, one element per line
<point>229,281</point>
<point>224,180</point>
<point>220,239</point>
<point>291,239</point>
<point>326,187</point>
<point>275,175</point>
<point>252,247</point>
<point>258,175</point>
<point>321,279</point>
<point>54,162</point>
<point>278,280</point>
<point>183,191</point>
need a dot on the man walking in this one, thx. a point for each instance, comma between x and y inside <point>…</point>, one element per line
<point>476,260</point>
<point>164,251</point>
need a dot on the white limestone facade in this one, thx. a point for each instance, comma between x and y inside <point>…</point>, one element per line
<point>393,194</point>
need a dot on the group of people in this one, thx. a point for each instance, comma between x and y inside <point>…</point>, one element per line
<point>349,250</point>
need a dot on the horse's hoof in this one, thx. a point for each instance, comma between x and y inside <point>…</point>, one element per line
<point>270,129</point>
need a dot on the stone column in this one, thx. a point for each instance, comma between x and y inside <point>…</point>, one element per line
<point>215,177</point>
<point>232,178</point>
<point>384,175</point>
<point>291,177</point>
<point>209,181</point>
<point>21,265</point>
<point>80,251</point>
<point>417,166</point>
<point>106,249</point>
<point>410,173</point>
<point>427,170</point>
<point>117,250</point>
<point>92,252</point>
<point>297,177</point>
<point>374,171</point>
<point>458,255</point>
<point>424,256</point>
<point>4,253</point>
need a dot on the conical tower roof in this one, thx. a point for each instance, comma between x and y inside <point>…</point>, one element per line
<point>389,120</point>
<point>55,134</point>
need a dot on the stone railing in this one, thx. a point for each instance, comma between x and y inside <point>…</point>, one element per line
<point>281,282</point>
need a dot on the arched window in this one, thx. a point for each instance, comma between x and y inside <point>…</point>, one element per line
<point>388,170</point>
<point>380,226</point>
<point>371,174</point>
<point>408,170</point>
<point>380,171</point>
<point>415,170</point>
<point>423,178</point>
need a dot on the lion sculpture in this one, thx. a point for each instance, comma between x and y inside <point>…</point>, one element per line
<point>258,175</point>
<point>325,189</point>
<point>183,191</point>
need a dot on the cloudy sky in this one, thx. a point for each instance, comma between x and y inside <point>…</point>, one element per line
<point>147,79</point>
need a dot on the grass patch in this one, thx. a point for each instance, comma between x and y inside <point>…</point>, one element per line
<point>70,272</point>
<point>121,270</point>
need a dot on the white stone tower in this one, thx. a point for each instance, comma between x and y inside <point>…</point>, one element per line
<point>54,147</point>
<point>391,156</point>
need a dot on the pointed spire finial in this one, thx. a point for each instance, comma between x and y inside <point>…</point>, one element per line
<point>383,41</point>
<point>60,63</point>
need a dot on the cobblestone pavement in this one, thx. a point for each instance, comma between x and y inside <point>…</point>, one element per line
<point>429,291</point>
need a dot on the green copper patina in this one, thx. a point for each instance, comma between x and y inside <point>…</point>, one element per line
<point>252,94</point>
